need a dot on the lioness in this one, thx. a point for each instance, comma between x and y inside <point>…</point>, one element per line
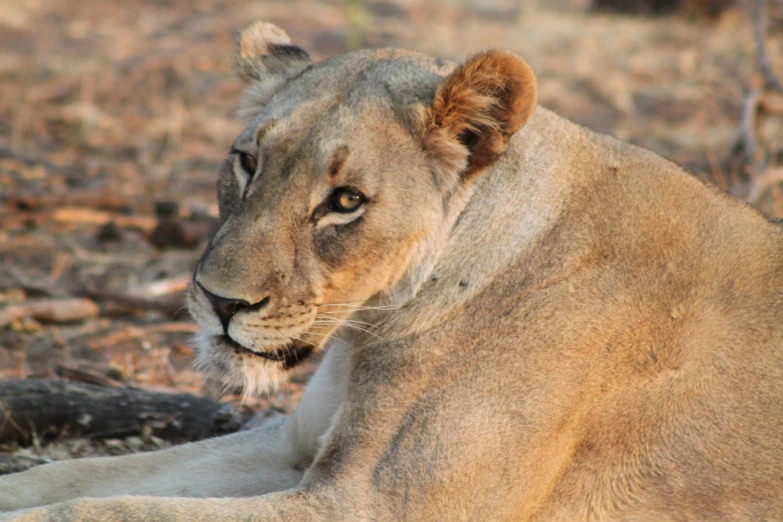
<point>526,320</point>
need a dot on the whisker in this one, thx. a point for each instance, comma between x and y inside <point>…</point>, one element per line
<point>241,404</point>
<point>303,341</point>
<point>347,302</point>
<point>361,307</point>
<point>351,321</point>
<point>342,322</point>
<point>365,331</point>
<point>179,310</point>
<point>326,327</point>
<point>348,324</point>
<point>318,332</point>
<point>317,321</point>
<point>310,332</point>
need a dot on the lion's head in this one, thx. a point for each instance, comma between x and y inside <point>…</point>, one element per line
<point>340,189</point>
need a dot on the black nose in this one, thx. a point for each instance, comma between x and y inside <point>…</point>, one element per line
<point>226,308</point>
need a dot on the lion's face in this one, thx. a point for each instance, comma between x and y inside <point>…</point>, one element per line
<point>322,209</point>
<point>327,199</point>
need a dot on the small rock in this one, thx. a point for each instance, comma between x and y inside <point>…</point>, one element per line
<point>177,233</point>
<point>113,444</point>
<point>109,233</point>
<point>134,443</point>
<point>386,10</point>
<point>165,209</point>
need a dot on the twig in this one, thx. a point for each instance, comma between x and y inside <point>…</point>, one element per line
<point>55,310</point>
<point>171,305</point>
<point>6,153</point>
<point>763,180</point>
<point>103,198</point>
<point>751,154</point>
<point>97,217</point>
<point>45,287</point>
<point>166,286</point>
<point>78,216</point>
<point>86,376</point>
<point>750,108</point>
<point>771,80</point>
<point>136,332</point>
<point>717,172</point>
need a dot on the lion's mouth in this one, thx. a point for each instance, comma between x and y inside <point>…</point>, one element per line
<point>290,355</point>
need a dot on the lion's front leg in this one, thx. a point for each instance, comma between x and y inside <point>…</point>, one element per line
<point>251,463</point>
<point>288,506</point>
<point>240,465</point>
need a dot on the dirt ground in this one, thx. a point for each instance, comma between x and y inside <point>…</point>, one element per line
<point>115,115</point>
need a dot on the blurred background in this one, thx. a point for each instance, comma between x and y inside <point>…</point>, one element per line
<point>114,117</point>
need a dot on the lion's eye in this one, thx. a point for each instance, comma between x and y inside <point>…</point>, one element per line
<point>249,163</point>
<point>345,200</point>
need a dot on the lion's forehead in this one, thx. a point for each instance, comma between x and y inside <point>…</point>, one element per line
<point>394,76</point>
<point>332,101</point>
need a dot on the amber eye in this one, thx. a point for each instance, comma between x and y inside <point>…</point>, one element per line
<point>249,163</point>
<point>345,200</point>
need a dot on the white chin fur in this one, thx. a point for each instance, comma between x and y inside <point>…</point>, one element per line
<point>253,374</point>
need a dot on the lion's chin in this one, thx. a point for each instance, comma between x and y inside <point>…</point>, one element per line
<point>288,356</point>
<point>255,372</point>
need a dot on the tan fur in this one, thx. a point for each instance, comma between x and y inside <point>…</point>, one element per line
<point>525,321</point>
<point>255,41</point>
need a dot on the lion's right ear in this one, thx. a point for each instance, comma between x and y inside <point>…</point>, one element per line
<point>265,59</point>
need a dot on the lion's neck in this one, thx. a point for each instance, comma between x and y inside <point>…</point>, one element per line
<point>488,228</point>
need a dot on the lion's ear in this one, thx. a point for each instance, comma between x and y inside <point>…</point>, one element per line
<point>476,110</point>
<point>265,59</point>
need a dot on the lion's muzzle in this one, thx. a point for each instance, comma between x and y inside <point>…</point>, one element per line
<point>226,308</point>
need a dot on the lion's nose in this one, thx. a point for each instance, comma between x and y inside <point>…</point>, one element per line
<point>226,308</point>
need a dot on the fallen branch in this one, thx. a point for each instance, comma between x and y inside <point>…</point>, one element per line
<point>55,408</point>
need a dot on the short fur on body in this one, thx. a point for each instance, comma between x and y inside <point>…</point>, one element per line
<point>525,320</point>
